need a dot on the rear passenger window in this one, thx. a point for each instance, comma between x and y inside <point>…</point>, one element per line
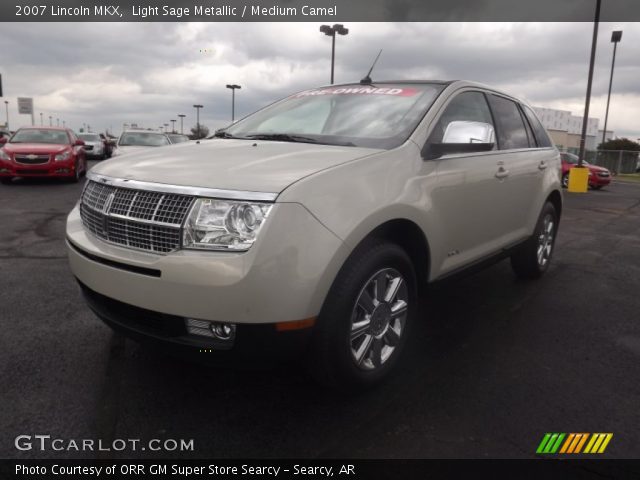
<point>541,134</point>
<point>510,126</point>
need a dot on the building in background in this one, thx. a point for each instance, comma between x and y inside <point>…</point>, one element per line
<point>608,136</point>
<point>565,129</point>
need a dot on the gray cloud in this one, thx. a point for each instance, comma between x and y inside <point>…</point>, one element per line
<point>108,74</point>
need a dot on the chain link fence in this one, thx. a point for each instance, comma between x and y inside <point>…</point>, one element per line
<point>617,161</point>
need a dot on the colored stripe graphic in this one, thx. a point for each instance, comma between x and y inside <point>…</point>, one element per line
<point>573,443</point>
<point>598,442</point>
<point>550,443</point>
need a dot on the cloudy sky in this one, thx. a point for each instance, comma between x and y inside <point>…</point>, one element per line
<point>107,74</point>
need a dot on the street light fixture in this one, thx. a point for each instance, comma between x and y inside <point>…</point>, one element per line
<point>173,126</point>
<point>616,36</point>
<point>233,100</point>
<point>181,115</point>
<point>165,127</point>
<point>198,107</point>
<point>331,32</point>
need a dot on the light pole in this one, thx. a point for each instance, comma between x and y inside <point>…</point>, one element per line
<point>198,107</point>
<point>233,100</point>
<point>181,115</point>
<point>587,102</point>
<point>57,122</point>
<point>40,118</point>
<point>165,127</point>
<point>64,124</point>
<point>616,36</point>
<point>6,105</point>
<point>50,121</point>
<point>173,126</point>
<point>331,32</point>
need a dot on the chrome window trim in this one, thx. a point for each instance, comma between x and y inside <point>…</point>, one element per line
<point>184,190</point>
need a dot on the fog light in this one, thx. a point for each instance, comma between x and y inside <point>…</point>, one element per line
<point>223,331</point>
<point>62,170</point>
<point>204,328</point>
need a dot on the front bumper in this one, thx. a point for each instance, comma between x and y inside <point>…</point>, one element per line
<point>253,344</point>
<point>284,277</point>
<point>50,169</point>
<point>597,180</point>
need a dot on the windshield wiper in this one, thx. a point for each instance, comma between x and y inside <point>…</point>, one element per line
<point>282,137</point>
<point>224,134</point>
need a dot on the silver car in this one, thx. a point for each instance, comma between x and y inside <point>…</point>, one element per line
<point>93,145</point>
<point>136,140</point>
<point>313,224</point>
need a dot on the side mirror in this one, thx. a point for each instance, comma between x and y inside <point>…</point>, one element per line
<point>462,137</point>
<point>3,140</point>
<point>79,143</point>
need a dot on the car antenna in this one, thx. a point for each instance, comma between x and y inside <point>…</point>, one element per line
<point>367,79</point>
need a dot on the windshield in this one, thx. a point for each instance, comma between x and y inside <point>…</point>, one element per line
<point>90,137</point>
<point>143,139</point>
<point>572,159</point>
<point>35,135</point>
<point>376,116</point>
<point>178,138</point>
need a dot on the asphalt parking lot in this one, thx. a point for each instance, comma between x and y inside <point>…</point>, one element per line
<point>494,364</point>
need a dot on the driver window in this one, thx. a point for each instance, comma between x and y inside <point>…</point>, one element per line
<point>466,107</point>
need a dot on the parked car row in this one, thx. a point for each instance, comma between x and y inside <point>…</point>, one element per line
<point>60,152</point>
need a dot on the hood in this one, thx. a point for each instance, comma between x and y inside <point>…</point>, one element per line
<point>37,148</point>
<point>596,168</point>
<point>257,166</point>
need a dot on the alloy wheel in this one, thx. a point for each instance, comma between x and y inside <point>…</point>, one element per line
<point>378,319</point>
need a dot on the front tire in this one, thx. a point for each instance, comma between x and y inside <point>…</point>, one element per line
<point>76,172</point>
<point>532,258</point>
<point>362,329</point>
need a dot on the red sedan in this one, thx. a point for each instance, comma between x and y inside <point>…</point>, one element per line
<point>42,152</point>
<point>598,176</point>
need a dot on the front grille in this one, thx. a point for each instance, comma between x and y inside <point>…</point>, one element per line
<point>603,174</point>
<point>32,159</point>
<point>137,219</point>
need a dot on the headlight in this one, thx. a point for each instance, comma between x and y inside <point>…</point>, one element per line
<point>4,155</point>
<point>61,157</point>
<point>224,224</point>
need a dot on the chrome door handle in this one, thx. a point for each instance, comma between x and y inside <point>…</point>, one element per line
<point>542,165</point>
<point>502,173</point>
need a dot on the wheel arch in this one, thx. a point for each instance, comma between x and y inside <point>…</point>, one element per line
<point>555,197</point>
<point>411,238</point>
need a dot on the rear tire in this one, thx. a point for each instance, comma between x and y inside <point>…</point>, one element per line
<point>565,180</point>
<point>364,323</point>
<point>533,257</point>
